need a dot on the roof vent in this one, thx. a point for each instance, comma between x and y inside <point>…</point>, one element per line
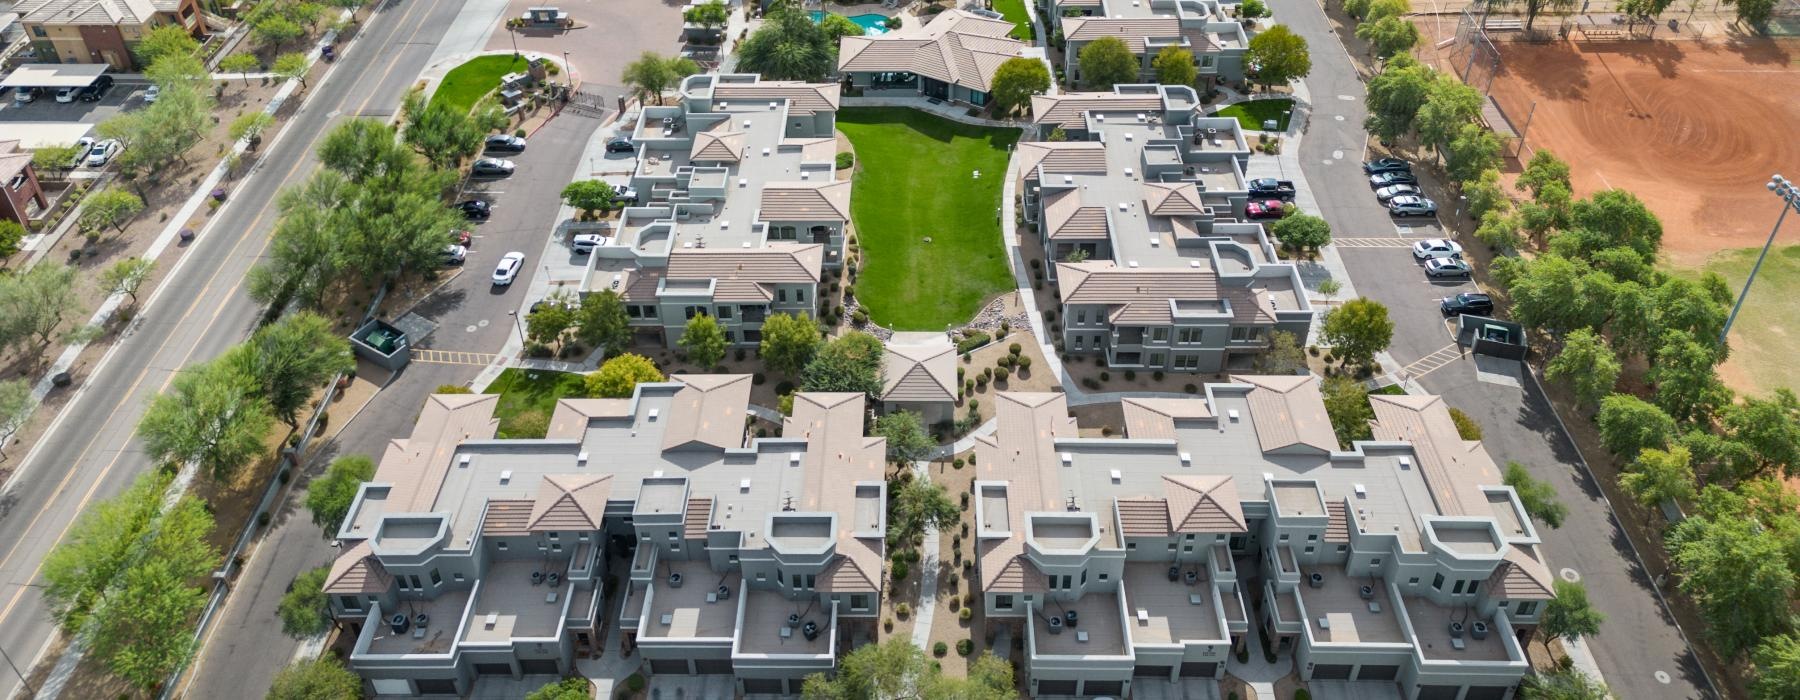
<point>1140,115</point>
<point>772,105</point>
<point>1128,170</point>
<point>765,152</point>
<point>805,175</point>
<point>1131,263</point>
<point>724,226</point>
<point>1405,462</point>
<point>1155,242</point>
<point>581,457</point>
<point>743,182</point>
<point>1124,206</point>
<point>793,459</point>
<point>657,474</point>
<point>1187,459</point>
<point>1068,179</point>
<point>744,486</point>
<point>1068,459</point>
<point>1194,263</point>
<point>1116,476</point>
<point>1233,414</point>
<point>1127,136</point>
<point>745,244</point>
<point>1100,117</point>
<point>723,105</point>
<point>505,477</point>
<point>1361,490</point>
<point>463,461</point>
<point>653,413</point>
<point>746,123</point>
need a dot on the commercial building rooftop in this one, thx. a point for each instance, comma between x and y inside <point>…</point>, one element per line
<point>1166,612</point>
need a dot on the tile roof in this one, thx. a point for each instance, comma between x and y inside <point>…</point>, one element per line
<point>1337,522</point>
<point>919,367</point>
<point>708,412</point>
<point>1069,110</point>
<point>1143,517</point>
<point>698,517</point>
<point>1062,158</point>
<point>745,275</point>
<point>416,465</point>
<point>956,47</point>
<point>570,502</point>
<point>802,97</point>
<point>1166,199</point>
<point>1289,411</point>
<point>507,517</point>
<point>357,571</point>
<point>1067,218</point>
<point>570,419</point>
<point>1203,503</point>
<point>1132,31</point>
<point>1522,576</point>
<point>1454,468</point>
<point>856,570</point>
<point>840,457</point>
<point>1028,424</point>
<point>13,160</point>
<point>726,147</point>
<point>123,12</point>
<point>1143,294</point>
<point>806,201</point>
<point>1154,418</point>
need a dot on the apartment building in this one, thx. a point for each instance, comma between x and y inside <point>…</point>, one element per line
<point>101,31</point>
<point>951,56</point>
<point>919,375</point>
<point>1201,27</point>
<point>24,198</point>
<point>1152,556</point>
<point>740,208</point>
<point>1140,212</point>
<point>758,558</point>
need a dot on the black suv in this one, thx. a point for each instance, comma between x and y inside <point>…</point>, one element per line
<point>1468,303</point>
<point>95,90</point>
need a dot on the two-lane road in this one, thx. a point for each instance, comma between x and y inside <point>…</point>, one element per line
<point>89,452</point>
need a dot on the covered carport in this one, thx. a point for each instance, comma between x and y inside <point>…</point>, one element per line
<point>53,76</point>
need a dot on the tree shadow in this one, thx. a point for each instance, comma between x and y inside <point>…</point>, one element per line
<point>1664,56</point>
<point>1759,51</point>
<point>1559,71</point>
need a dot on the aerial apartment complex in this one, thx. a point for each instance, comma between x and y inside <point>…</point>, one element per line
<point>1402,559</point>
<point>102,31</point>
<point>739,209</point>
<point>1201,27</point>
<point>1139,211</point>
<point>759,558</point>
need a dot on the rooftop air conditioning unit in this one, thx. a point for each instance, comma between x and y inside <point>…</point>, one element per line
<point>463,460</point>
<point>581,457</point>
<point>1068,459</point>
<point>653,413</point>
<point>1316,580</point>
<point>505,476</point>
<point>1232,414</point>
<point>1405,462</point>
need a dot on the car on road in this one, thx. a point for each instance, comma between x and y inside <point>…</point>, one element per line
<point>475,209</point>
<point>492,167</point>
<point>1412,205</point>
<point>151,93</point>
<point>1265,187</point>
<point>1467,303</point>
<point>1386,165</point>
<point>103,152</point>
<point>505,143</point>
<point>1265,209</point>
<point>455,254</point>
<point>82,146</point>
<point>1447,267</point>
<point>25,95</point>
<point>1391,191</point>
<point>96,90</point>
<point>586,242</point>
<point>620,144</point>
<point>1436,248</point>
<point>508,269</point>
<point>625,194</point>
<point>1392,177</point>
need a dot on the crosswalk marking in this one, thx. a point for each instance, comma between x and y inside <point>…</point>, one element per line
<point>1372,242</point>
<point>1429,363</point>
<point>452,357</point>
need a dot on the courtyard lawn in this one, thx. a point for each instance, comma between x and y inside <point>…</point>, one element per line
<point>1252,114</point>
<point>528,397</point>
<point>465,84</point>
<point>1014,10</point>
<point>915,181</point>
<point>1763,334</point>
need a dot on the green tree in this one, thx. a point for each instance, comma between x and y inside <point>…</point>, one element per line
<point>1776,663</point>
<point>438,131</point>
<point>789,342</point>
<point>590,196</point>
<point>291,66</point>
<point>1629,424</point>
<point>110,208</point>
<point>1174,66</point>
<point>1473,151</point>
<point>34,303</point>
<point>1383,9</point>
<point>1660,475</point>
<point>1686,385</point>
<point>1538,498</point>
<point>1106,62</point>
<point>213,415</point>
<point>1449,104</point>
<point>652,74</point>
<point>1284,355</point>
<point>16,404</point>
<point>1547,211</point>
<point>1500,231</point>
<point>837,26</point>
<point>241,63</point>
<point>1388,36</point>
<point>1486,194</point>
<point>907,441</point>
<point>1755,13</point>
<point>166,40</point>
<point>1563,683</point>
<point>54,159</point>
<point>892,669</point>
<point>712,15</point>
<point>1556,294</point>
<point>1768,428</point>
<point>1301,232</point>
<point>1569,615</point>
<point>1543,169</point>
<point>291,360</point>
<point>1277,56</point>
<point>619,376</point>
<point>1586,365</point>
<point>275,31</point>
<point>304,609</point>
<point>850,362</point>
<point>1347,405</point>
<point>918,504</point>
<point>99,548</point>
<point>549,324</point>
<point>323,678</point>
<point>1614,218</point>
<point>1738,573</point>
<point>1533,7</point>
<point>1015,81</point>
<point>1717,457</point>
<point>601,322</point>
<point>1357,330</point>
<point>788,46</point>
<point>330,496</point>
<point>10,235</point>
<point>177,69</point>
<point>1395,96</point>
<point>704,341</point>
<point>251,126</point>
<point>140,628</point>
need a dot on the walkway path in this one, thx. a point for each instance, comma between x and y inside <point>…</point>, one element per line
<point>928,565</point>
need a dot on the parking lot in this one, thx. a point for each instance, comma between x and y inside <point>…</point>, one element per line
<point>124,95</point>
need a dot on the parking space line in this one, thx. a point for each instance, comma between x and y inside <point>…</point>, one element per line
<point>1432,362</point>
<point>1372,242</point>
<point>452,357</point>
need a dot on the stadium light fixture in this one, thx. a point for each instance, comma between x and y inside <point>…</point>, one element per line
<point>1789,193</point>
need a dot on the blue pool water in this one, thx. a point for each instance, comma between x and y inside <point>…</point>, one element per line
<point>871,23</point>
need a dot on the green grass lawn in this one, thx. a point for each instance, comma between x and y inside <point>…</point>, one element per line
<point>465,84</point>
<point>915,182</point>
<point>1251,115</point>
<point>1014,10</point>
<point>1769,323</point>
<point>528,397</point>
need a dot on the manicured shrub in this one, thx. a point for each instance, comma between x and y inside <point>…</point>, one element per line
<point>940,649</point>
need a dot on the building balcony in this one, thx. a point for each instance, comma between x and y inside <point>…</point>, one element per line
<point>1170,613</point>
<point>1099,629</point>
<point>691,611</point>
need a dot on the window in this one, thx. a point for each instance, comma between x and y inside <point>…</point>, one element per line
<point>1080,317</point>
<point>797,580</point>
<point>724,312</point>
<point>1283,538</point>
<point>634,311</point>
<point>1189,536</point>
<point>436,579</point>
<point>1414,581</point>
<point>859,601</point>
<point>1068,582</point>
<point>553,536</point>
<point>39,32</point>
<point>809,582</point>
<point>1156,359</point>
<point>799,295</point>
<point>1309,550</point>
<point>1078,340</point>
<point>1159,334</point>
<point>1343,548</point>
<point>1472,585</point>
<point>1527,607</point>
<point>1187,362</point>
<point>500,546</point>
<point>1437,581</point>
<point>693,311</point>
<point>350,603</point>
<point>1003,602</point>
<point>1375,563</point>
<point>457,577</point>
<point>732,558</point>
<point>1312,538</point>
<point>1084,577</point>
<point>650,312</point>
<point>558,547</point>
<point>761,577</point>
<point>1256,333</point>
<point>674,536</point>
<point>672,548</point>
<point>730,336</point>
<point>1130,546</point>
<point>416,583</point>
<point>1171,546</point>
<point>581,537</point>
<point>781,295</point>
<point>1206,61</point>
<point>1052,585</point>
<point>1237,333</point>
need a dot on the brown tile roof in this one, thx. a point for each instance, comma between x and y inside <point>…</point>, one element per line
<point>108,12</point>
<point>1164,199</point>
<point>1131,31</point>
<point>744,275</point>
<point>1337,522</point>
<point>698,517</point>
<point>1010,571</point>
<point>570,420</point>
<point>955,47</point>
<point>1521,576</point>
<point>1022,453</point>
<point>1143,517</point>
<point>357,571</point>
<point>570,502</point>
<point>856,569</point>
<point>1454,468</point>
<point>1203,503</point>
<point>838,456</point>
<point>1144,293</point>
<point>1068,110</point>
<point>507,517</point>
<point>727,147</point>
<point>1153,418</point>
<point>919,367</point>
<point>416,465</point>
<point>1062,158</point>
<point>802,97</point>
<point>1066,217</point>
<point>708,412</point>
<point>13,160</point>
<point>1289,411</point>
<point>806,201</point>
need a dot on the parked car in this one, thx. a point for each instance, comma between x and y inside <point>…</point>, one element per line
<point>1436,248</point>
<point>1412,205</point>
<point>103,152</point>
<point>625,194</point>
<point>508,269</point>
<point>475,209</point>
<point>1386,165</point>
<point>1265,187</point>
<point>586,242</point>
<point>620,144</point>
<point>96,90</point>
<point>1391,191</point>
<point>1392,177</point>
<point>1265,209</point>
<point>151,93</point>
<point>505,143</point>
<point>1447,267</point>
<point>67,94</point>
<point>491,167</point>
<point>1467,303</point>
<point>25,95</point>
<point>455,254</point>
<point>82,146</point>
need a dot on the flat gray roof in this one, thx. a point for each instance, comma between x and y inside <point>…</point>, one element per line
<point>54,75</point>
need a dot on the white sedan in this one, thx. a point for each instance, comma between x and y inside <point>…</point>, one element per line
<point>103,152</point>
<point>1436,248</point>
<point>586,242</point>
<point>508,269</point>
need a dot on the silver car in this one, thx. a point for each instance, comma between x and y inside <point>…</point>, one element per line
<point>1447,267</point>
<point>1392,191</point>
<point>1411,205</point>
<point>1436,248</point>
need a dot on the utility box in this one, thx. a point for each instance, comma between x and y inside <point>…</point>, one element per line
<point>382,344</point>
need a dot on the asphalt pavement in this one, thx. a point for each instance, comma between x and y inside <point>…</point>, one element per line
<point>89,452</point>
<point>1640,650</point>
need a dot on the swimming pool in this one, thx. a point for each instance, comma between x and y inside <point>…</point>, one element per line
<point>871,23</point>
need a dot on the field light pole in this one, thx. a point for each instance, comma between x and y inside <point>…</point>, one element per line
<point>1790,199</point>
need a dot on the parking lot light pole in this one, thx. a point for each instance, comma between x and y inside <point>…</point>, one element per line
<point>1790,199</point>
